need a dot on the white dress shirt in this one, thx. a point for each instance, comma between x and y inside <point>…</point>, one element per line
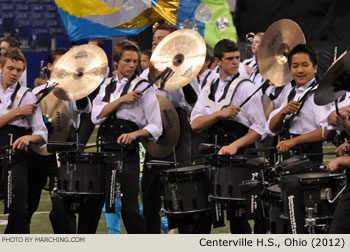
<point>73,110</point>
<point>251,114</point>
<point>251,62</point>
<point>196,83</point>
<point>34,121</point>
<point>309,117</point>
<point>341,103</point>
<point>145,112</point>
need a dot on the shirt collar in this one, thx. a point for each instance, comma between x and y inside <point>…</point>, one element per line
<point>229,78</point>
<point>122,81</point>
<point>305,86</point>
<point>10,89</point>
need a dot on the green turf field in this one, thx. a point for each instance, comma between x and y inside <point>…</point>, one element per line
<point>41,224</point>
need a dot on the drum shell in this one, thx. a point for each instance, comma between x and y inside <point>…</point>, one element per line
<point>229,172</point>
<point>185,189</point>
<point>277,224</point>
<point>83,173</point>
<point>311,191</point>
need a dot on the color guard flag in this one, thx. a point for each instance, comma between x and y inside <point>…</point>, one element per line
<point>85,19</point>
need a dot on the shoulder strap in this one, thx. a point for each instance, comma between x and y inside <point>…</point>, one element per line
<point>228,98</point>
<point>205,80</point>
<point>136,83</point>
<point>16,98</point>
<point>109,89</point>
<point>20,94</point>
<point>306,94</point>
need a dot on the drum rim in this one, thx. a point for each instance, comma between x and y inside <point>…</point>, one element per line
<point>328,176</point>
<point>213,197</point>
<point>185,212</point>
<point>102,154</point>
<point>177,169</point>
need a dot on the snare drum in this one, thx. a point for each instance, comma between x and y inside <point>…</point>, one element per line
<point>186,189</point>
<point>83,173</point>
<point>157,166</point>
<point>312,194</point>
<point>297,164</point>
<point>229,172</point>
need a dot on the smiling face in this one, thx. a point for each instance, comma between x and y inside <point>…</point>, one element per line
<point>302,68</point>
<point>127,64</point>
<point>11,72</point>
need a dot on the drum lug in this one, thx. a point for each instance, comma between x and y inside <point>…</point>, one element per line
<point>326,193</point>
<point>310,221</point>
<point>118,191</point>
<point>162,208</point>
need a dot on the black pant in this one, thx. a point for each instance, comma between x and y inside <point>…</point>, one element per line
<point>89,209</point>
<point>151,180</point>
<point>341,221</point>
<point>18,219</point>
<point>238,219</point>
<point>40,168</point>
<point>134,222</point>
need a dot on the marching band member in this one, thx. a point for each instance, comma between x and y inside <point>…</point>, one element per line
<point>12,43</point>
<point>208,110</point>
<point>21,117</point>
<point>137,107</point>
<point>151,180</point>
<point>251,62</point>
<point>300,117</point>
<point>340,223</point>
<point>41,167</point>
<point>299,112</point>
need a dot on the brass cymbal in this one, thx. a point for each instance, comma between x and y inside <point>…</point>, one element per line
<point>79,72</point>
<point>274,48</point>
<point>171,131</point>
<point>325,92</point>
<point>57,115</point>
<point>267,105</point>
<point>183,51</point>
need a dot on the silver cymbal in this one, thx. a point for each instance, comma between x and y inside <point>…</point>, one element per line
<point>183,51</point>
<point>325,92</point>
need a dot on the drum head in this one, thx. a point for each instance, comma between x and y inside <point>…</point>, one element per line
<point>237,159</point>
<point>159,165</point>
<point>85,156</point>
<point>314,178</point>
<point>274,190</point>
<point>188,169</point>
<point>187,173</point>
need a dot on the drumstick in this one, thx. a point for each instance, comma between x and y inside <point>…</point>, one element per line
<point>266,83</point>
<point>49,89</point>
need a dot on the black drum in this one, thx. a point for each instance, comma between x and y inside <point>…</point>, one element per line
<point>273,202</point>
<point>228,174</point>
<point>186,189</point>
<point>306,200</point>
<point>159,165</point>
<point>297,164</point>
<point>84,173</point>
